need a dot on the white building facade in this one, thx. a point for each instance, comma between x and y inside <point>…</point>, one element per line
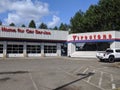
<point>87,44</point>
<point>29,42</point>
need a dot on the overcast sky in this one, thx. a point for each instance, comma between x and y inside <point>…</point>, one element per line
<point>50,12</point>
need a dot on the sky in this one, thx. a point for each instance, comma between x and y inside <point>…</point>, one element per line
<point>50,12</point>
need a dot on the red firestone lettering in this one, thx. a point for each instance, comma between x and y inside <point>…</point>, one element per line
<point>94,36</point>
<point>99,37</point>
<point>110,36</point>
<point>90,37</point>
<point>104,36</point>
<point>81,37</point>
<point>74,37</point>
<point>85,37</point>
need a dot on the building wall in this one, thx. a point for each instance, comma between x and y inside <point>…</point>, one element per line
<point>113,37</point>
<point>25,54</point>
<point>6,33</point>
<point>30,36</point>
<point>30,33</point>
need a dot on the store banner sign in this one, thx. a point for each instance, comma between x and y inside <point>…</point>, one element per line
<point>28,31</point>
<point>92,37</point>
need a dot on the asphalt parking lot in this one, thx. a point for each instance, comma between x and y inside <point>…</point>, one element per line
<point>58,73</point>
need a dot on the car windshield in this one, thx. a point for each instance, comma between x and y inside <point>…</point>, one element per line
<point>109,51</point>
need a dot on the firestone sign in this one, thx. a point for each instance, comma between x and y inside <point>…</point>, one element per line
<point>92,37</point>
<point>29,31</point>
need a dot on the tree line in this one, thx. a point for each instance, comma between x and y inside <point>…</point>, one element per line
<point>42,26</point>
<point>103,16</point>
<point>100,17</point>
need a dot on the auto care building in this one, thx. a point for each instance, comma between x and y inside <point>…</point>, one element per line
<point>87,44</point>
<point>30,42</point>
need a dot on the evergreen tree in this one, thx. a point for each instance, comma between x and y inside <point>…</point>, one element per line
<point>23,25</point>
<point>64,27</point>
<point>55,28</point>
<point>32,24</point>
<point>43,26</point>
<point>0,22</point>
<point>100,17</point>
<point>76,22</point>
<point>11,24</point>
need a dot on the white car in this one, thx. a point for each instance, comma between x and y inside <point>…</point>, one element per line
<point>111,54</point>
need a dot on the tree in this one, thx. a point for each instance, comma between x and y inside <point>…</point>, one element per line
<point>110,12</point>
<point>91,19</point>
<point>32,24</point>
<point>0,22</point>
<point>64,27</point>
<point>55,28</point>
<point>43,26</point>
<point>76,22</point>
<point>100,17</point>
<point>11,24</point>
<point>23,25</point>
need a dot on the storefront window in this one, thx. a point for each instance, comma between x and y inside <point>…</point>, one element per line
<point>33,49</point>
<point>1,48</point>
<point>14,48</point>
<point>90,46</point>
<point>50,49</point>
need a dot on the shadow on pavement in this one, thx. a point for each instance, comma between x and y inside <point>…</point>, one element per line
<point>65,85</point>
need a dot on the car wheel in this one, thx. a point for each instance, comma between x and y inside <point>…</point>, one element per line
<point>111,59</point>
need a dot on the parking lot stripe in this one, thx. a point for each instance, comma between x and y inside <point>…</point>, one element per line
<point>112,78</point>
<point>35,86</point>
<point>75,69</point>
<point>78,70</point>
<point>83,80</point>
<point>94,85</point>
<point>85,70</point>
<point>113,85</point>
<point>90,76</point>
<point>100,80</point>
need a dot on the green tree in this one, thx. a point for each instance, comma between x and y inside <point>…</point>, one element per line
<point>55,28</point>
<point>23,25</point>
<point>100,17</point>
<point>32,24</point>
<point>76,22</point>
<point>0,22</point>
<point>110,13</point>
<point>92,19</point>
<point>11,24</point>
<point>64,27</point>
<point>43,26</point>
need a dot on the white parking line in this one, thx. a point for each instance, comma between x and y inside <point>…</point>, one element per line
<point>113,85</point>
<point>102,68</point>
<point>100,80</point>
<point>85,70</point>
<point>94,85</point>
<point>83,80</point>
<point>35,86</point>
<point>90,76</point>
<point>76,71</point>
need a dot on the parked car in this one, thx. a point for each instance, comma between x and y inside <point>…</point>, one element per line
<point>111,54</point>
